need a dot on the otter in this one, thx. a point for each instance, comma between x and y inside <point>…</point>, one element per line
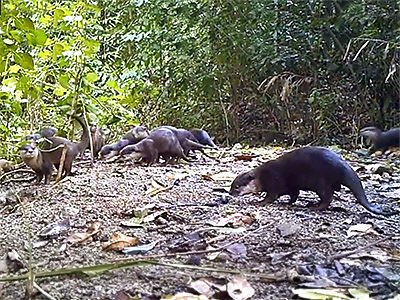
<point>135,135</point>
<point>382,140</point>
<point>203,137</point>
<point>187,140</point>
<point>314,169</point>
<point>161,142</point>
<point>42,161</point>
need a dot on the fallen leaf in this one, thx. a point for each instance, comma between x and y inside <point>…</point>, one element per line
<point>360,229</point>
<point>81,237</point>
<point>202,287</point>
<point>237,219</point>
<point>288,228</point>
<point>152,217</point>
<point>132,222</point>
<point>55,229</point>
<point>141,249</point>
<point>187,296</point>
<point>320,294</point>
<point>237,250</point>
<point>360,294</point>
<point>239,289</point>
<point>245,157</point>
<point>158,187</point>
<point>222,176</point>
<point>118,241</point>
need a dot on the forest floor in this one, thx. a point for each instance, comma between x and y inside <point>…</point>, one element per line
<point>194,238</point>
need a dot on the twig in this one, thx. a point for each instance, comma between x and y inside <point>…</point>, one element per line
<point>19,180</point>
<point>348,253</point>
<point>43,292</point>
<point>16,171</point>
<point>61,166</point>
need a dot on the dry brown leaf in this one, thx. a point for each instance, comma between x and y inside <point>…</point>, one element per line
<point>158,188</point>
<point>237,219</point>
<point>82,237</point>
<point>118,241</point>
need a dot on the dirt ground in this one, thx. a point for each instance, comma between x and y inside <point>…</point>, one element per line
<point>271,245</point>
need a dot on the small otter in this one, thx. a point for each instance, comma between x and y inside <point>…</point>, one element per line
<point>161,142</point>
<point>98,140</point>
<point>382,140</point>
<point>203,137</point>
<point>135,135</point>
<point>311,169</point>
<point>187,140</point>
<point>42,161</point>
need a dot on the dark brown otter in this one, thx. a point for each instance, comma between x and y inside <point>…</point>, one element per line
<point>42,161</point>
<point>311,169</point>
<point>187,140</point>
<point>382,140</point>
<point>203,137</point>
<point>161,142</point>
<point>135,135</point>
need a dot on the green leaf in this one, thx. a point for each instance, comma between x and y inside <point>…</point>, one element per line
<point>2,66</point>
<point>40,36</point>
<point>24,24</point>
<point>60,91</point>
<point>16,34</point>
<point>57,50</point>
<point>91,77</point>
<point>24,60</point>
<point>63,80</point>
<point>58,15</point>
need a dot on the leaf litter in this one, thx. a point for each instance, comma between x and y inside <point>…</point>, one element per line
<point>165,212</point>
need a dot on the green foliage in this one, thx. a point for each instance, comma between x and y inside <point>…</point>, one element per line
<point>233,67</point>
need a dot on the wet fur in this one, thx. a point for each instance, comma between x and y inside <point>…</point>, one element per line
<point>311,169</point>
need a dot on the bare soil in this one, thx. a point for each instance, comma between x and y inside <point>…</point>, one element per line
<point>275,239</point>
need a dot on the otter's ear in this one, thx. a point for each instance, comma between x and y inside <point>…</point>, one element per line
<point>252,174</point>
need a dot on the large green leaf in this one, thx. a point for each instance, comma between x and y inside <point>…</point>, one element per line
<point>25,60</point>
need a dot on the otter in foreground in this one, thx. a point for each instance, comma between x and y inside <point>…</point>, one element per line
<point>382,140</point>
<point>311,169</point>
<point>42,161</point>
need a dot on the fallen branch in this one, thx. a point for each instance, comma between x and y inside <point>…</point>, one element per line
<point>351,252</point>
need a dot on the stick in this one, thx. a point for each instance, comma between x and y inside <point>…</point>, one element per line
<point>348,253</point>
<point>61,166</point>
<point>43,292</point>
<point>16,171</point>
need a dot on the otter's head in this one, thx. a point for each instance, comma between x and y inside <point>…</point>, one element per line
<point>29,152</point>
<point>245,183</point>
<point>371,132</point>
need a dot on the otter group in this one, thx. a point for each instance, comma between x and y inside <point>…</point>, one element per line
<point>314,169</point>
<point>167,142</point>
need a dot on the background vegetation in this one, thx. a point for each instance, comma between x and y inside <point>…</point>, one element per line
<point>297,71</point>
